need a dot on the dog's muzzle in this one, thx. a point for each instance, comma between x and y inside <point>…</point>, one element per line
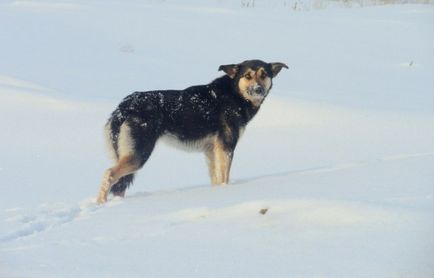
<point>257,91</point>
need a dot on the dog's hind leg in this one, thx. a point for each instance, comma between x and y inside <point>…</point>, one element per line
<point>125,166</point>
<point>135,144</point>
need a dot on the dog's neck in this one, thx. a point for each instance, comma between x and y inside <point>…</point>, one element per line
<point>226,85</point>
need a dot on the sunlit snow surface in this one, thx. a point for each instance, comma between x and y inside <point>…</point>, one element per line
<point>340,159</point>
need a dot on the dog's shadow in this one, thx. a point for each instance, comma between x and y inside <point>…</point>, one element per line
<point>277,175</point>
<point>236,182</point>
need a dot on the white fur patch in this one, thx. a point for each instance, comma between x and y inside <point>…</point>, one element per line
<point>125,141</point>
<point>200,145</point>
<point>109,140</point>
<point>241,132</point>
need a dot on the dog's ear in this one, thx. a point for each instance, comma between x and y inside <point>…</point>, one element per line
<point>276,67</point>
<point>231,70</point>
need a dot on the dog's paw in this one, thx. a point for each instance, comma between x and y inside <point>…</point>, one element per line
<point>101,200</point>
<point>102,197</point>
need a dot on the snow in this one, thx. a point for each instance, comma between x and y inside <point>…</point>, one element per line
<point>340,156</point>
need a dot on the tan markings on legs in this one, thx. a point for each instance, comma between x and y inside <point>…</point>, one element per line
<point>126,165</point>
<point>211,165</point>
<point>219,163</point>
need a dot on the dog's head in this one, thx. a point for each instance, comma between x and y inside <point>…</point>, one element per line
<point>253,79</point>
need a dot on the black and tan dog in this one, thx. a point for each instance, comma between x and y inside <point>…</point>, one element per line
<point>208,118</point>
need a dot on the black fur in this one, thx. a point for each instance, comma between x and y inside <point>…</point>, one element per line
<point>188,115</point>
<point>122,184</point>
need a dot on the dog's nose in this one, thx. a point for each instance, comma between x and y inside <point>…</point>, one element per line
<point>259,90</point>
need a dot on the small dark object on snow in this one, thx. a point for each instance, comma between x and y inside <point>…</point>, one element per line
<point>263,211</point>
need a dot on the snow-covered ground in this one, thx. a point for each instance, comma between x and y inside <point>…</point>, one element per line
<point>340,159</point>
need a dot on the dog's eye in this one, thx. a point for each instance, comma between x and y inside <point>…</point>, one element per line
<point>248,76</point>
<point>263,75</point>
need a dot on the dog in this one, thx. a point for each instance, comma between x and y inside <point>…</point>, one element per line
<point>208,118</point>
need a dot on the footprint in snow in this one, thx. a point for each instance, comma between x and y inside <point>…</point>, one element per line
<point>45,217</point>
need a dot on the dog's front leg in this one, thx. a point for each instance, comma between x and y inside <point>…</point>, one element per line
<point>219,159</point>
<point>223,166</point>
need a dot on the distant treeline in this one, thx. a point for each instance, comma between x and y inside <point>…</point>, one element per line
<point>323,4</point>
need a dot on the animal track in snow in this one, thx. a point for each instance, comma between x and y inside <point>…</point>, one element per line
<point>44,218</point>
